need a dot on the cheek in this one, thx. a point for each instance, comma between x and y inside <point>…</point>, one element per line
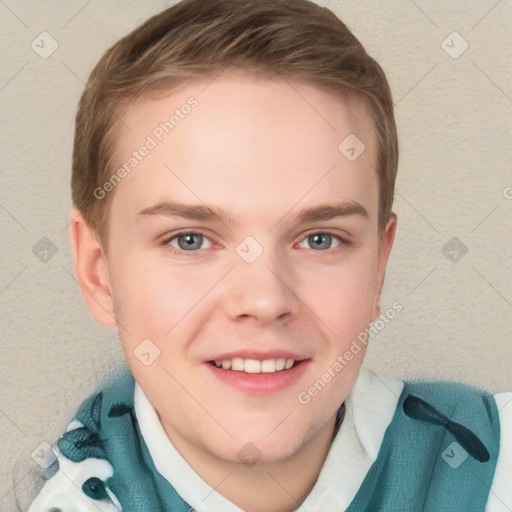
<point>153,297</point>
<point>343,296</point>
<point>147,300</point>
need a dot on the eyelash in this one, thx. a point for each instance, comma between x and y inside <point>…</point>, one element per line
<point>343,242</point>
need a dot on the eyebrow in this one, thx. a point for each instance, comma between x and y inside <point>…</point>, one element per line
<point>202,212</point>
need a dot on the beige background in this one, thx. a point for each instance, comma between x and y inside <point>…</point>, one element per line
<point>455,180</point>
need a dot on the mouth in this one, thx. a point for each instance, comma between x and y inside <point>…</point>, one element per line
<point>239,364</point>
<point>253,376</point>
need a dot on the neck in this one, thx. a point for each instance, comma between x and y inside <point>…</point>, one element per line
<point>277,486</point>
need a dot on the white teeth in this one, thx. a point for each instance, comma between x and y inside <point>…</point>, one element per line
<point>254,365</point>
<point>237,364</point>
<point>268,366</point>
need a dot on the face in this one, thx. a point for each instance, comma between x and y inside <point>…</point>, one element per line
<point>244,237</point>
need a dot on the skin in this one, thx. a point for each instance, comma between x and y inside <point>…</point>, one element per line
<point>261,151</point>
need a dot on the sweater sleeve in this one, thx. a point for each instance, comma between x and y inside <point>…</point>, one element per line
<point>500,495</point>
<point>77,484</point>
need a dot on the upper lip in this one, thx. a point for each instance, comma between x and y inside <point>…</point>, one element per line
<point>260,355</point>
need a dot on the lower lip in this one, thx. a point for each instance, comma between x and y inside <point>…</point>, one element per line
<point>260,383</point>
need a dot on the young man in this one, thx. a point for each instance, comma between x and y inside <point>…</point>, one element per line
<point>233,177</point>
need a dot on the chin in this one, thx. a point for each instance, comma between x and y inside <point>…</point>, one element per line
<point>260,447</point>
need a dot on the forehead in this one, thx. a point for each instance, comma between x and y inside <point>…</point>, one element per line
<point>244,144</point>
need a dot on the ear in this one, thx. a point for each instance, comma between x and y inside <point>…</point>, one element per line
<point>91,269</point>
<point>385,244</point>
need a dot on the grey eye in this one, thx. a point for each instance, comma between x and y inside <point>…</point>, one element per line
<point>320,240</point>
<point>190,241</point>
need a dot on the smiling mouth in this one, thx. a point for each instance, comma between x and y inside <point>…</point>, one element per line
<point>239,364</point>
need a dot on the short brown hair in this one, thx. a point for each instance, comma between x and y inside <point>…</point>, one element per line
<point>197,39</point>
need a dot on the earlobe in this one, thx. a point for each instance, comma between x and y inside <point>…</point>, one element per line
<point>385,244</point>
<point>91,270</point>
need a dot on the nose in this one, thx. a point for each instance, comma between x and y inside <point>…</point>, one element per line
<point>261,291</point>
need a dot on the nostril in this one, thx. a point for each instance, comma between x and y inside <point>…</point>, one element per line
<point>54,510</point>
